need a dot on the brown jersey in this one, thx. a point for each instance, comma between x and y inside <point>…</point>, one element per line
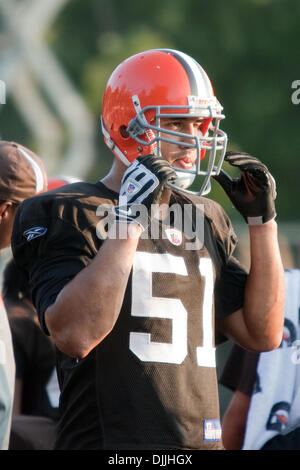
<point>151,383</point>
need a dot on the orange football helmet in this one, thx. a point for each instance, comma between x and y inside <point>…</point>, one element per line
<point>58,181</point>
<point>163,83</point>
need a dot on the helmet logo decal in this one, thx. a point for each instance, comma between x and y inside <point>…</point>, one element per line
<point>289,333</point>
<point>278,416</point>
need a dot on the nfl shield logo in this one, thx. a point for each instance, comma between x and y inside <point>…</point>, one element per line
<point>130,188</point>
<point>174,236</point>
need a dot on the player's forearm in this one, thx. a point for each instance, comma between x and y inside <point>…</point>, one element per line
<point>87,308</point>
<point>265,289</point>
<point>234,421</point>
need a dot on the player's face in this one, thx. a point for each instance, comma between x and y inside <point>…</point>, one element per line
<point>177,154</point>
<point>7,215</point>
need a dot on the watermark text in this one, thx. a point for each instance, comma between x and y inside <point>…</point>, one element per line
<point>2,92</point>
<point>296,94</point>
<point>176,223</point>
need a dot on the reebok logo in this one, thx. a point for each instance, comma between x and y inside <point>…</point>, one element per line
<point>34,232</point>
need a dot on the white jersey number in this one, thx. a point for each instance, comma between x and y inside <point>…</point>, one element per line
<point>145,305</point>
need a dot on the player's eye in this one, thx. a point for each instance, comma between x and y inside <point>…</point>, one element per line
<point>173,125</point>
<point>199,123</point>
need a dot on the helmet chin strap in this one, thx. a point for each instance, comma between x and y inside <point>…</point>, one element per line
<point>184,180</point>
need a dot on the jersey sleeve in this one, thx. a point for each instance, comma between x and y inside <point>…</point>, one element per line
<point>49,255</point>
<point>230,288</point>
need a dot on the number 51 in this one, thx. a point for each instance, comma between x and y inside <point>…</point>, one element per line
<point>145,305</point>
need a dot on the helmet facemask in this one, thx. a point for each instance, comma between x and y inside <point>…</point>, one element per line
<point>210,147</point>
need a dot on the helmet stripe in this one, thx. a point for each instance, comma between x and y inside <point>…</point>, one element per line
<point>196,75</point>
<point>187,67</point>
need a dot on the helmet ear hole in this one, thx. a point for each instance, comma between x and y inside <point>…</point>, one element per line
<point>123,132</point>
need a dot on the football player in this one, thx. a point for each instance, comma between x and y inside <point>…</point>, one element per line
<point>132,275</point>
<point>22,174</point>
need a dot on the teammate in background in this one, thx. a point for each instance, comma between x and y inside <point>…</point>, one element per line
<point>34,352</point>
<point>131,286</point>
<point>36,396</point>
<point>22,175</point>
<point>35,410</point>
<point>264,412</point>
<point>55,182</point>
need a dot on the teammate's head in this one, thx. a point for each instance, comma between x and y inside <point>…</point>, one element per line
<point>22,174</point>
<point>146,103</point>
<point>55,182</point>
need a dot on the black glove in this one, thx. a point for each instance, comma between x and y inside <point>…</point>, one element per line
<point>254,192</point>
<point>142,185</point>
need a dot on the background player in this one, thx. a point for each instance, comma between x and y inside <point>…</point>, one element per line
<point>22,174</point>
<point>264,410</point>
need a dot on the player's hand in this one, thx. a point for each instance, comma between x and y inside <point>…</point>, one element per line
<point>254,192</point>
<point>141,187</point>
